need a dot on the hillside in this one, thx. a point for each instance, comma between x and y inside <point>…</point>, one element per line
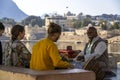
<point>10,10</point>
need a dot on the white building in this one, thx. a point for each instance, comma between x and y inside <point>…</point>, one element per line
<point>60,20</point>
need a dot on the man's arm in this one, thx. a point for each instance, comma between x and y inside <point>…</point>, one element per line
<point>81,54</point>
<point>56,58</point>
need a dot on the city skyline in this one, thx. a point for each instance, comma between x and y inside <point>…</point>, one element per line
<point>87,7</point>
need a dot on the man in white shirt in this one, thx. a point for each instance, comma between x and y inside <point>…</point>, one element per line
<point>96,47</point>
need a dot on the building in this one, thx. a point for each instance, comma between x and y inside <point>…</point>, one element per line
<point>56,19</point>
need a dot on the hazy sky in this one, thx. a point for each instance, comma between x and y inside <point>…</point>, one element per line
<point>92,7</point>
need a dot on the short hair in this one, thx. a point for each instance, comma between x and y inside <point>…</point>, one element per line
<point>54,28</point>
<point>15,31</point>
<point>2,27</point>
<point>92,28</point>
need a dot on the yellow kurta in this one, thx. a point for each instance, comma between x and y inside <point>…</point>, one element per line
<point>45,56</point>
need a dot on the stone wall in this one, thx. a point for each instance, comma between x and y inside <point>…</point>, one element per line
<point>15,73</point>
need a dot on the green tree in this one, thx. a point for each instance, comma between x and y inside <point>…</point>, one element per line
<point>85,22</point>
<point>103,24</point>
<point>33,20</point>
<point>8,21</point>
<point>116,25</point>
<point>77,24</point>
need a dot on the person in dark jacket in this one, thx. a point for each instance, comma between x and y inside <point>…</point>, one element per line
<point>97,48</point>
<point>2,28</point>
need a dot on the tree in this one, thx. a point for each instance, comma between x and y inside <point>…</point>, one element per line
<point>33,20</point>
<point>77,24</point>
<point>88,16</point>
<point>103,24</point>
<point>85,22</point>
<point>116,25</point>
<point>8,21</point>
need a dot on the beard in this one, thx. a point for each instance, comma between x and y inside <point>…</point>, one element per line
<point>90,38</point>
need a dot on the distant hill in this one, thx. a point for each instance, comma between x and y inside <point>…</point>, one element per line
<point>10,10</point>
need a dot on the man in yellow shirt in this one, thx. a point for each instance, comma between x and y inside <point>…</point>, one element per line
<point>45,55</point>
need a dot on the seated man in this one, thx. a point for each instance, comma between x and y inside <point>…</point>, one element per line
<point>96,47</point>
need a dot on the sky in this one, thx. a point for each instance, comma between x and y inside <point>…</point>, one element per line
<point>87,7</point>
